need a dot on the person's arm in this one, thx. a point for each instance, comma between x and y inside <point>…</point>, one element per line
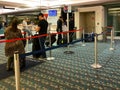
<point>37,29</point>
<point>24,23</point>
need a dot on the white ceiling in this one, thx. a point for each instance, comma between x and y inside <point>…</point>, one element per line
<point>44,4</point>
<point>37,3</point>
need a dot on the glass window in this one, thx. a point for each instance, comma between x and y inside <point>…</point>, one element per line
<point>113,18</point>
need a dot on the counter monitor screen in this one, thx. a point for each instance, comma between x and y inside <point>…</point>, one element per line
<point>52,12</point>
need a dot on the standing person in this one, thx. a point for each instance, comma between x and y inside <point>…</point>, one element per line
<point>59,29</point>
<point>26,29</point>
<point>24,23</point>
<point>71,23</point>
<point>26,26</point>
<point>12,32</point>
<point>42,29</point>
<point>71,27</point>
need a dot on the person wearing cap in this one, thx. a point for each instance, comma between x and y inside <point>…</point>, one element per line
<point>42,29</point>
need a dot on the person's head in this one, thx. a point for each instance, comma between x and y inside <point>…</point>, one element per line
<point>26,19</point>
<point>14,22</point>
<point>71,18</point>
<point>40,16</point>
<point>61,18</point>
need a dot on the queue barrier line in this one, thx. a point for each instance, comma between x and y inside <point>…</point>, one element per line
<point>83,35</point>
<point>47,49</point>
<point>17,70</point>
<point>13,40</point>
<point>110,31</point>
<point>96,64</point>
<point>109,27</point>
<point>30,37</point>
<point>16,58</point>
<point>54,47</point>
<point>17,74</point>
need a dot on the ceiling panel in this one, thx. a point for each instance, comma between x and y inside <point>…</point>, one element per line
<point>31,4</point>
<point>36,3</point>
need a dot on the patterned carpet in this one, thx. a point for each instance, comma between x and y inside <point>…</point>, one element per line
<point>68,71</point>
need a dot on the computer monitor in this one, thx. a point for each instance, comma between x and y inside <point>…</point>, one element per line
<point>52,13</point>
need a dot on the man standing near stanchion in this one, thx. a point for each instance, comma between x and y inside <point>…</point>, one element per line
<point>59,29</point>
<point>71,27</point>
<point>42,29</point>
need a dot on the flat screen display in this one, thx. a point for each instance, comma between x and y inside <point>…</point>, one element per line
<point>52,12</point>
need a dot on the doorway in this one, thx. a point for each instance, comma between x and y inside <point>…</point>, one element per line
<point>87,21</point>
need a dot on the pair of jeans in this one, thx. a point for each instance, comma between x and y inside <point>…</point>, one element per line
<point>42,46</point>
<point>59,39</point>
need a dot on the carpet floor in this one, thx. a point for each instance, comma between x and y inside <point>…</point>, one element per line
<point>67,71</point>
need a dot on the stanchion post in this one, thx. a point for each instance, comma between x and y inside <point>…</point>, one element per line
<point>112,39</point>
<point>83,43</point>
<point>50,58</point>
<point>68,37</point>
<point>75,28</point>
<point>96,65</point>
<point>17,70</point>
<point>27,42</point>
<point>113,35</point>
<point>50,43</point>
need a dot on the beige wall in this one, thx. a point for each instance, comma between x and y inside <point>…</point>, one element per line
<point>99,19</point>
<point>77,21</point>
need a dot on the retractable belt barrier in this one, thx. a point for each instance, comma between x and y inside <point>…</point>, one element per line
<point>96,64</point>
<point>16,56</point>
<point>32,37</point>
<point>29,37</point>
<point>53,47</point>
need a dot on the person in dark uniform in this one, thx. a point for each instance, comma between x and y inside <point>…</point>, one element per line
<point>59,29</point>
<point>42,29</point>
<point>71,27</point>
